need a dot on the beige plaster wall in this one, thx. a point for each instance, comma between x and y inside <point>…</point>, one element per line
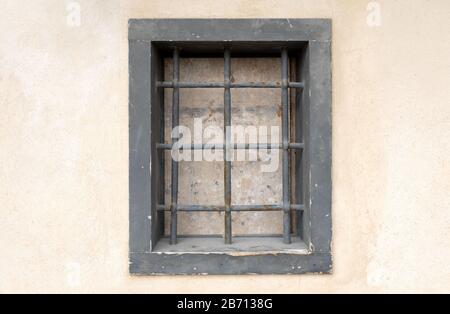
<point>64,146</point>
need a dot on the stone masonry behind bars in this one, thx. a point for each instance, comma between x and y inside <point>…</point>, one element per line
<point>286,145</point>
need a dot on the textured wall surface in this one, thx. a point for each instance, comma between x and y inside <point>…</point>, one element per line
<point>64,145</point>
<point>201,183</point>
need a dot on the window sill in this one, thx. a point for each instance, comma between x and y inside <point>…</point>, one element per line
<point>241,246</point>
<point>239,259</point>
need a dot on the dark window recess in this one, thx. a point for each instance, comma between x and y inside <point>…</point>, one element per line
<point>302,48</point>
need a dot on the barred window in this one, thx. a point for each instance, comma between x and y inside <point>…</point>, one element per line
<point>230,146</point>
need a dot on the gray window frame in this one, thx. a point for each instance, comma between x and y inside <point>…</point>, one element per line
<point>145,125</point>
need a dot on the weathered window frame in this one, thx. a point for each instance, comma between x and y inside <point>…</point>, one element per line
<point>144,132</point>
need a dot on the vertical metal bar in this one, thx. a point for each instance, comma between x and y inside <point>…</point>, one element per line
<point>292,135</point>
<point>175,123</point>
<point>227,141</point>
<point>285,135</point>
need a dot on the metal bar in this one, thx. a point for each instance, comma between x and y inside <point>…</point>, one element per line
<point>292,110</point>
<point>285,138</point>
<point>256,85</point>
<point>296,145</point>
<point>175,123</point>
<point>168,146</point>
<point>227,141</point>
<point>168,84</point>
<point>216,236</point>
<point>234,208</point>
<point>263,208</point>
<point>296,85</point>
<point>192,208</point>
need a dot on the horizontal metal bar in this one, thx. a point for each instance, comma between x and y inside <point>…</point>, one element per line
<point>169,84</point>
<point>243,208</point>
<point>296,85</point>
<point>219,236</point>
<point>168,146</point>
<point>237,208</point>
<point>192,208</point>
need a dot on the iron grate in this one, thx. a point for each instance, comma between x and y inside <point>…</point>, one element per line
<point>286,146</point>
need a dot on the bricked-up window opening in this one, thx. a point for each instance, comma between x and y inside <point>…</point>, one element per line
<point>287,207</point>
<point>189,76</point>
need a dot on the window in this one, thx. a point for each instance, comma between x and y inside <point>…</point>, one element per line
<point>177,63</point>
